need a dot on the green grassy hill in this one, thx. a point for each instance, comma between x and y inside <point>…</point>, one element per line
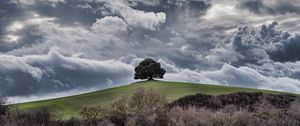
<point>70,106</point>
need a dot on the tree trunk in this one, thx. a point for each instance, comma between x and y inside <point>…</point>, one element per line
<point>150,78</point>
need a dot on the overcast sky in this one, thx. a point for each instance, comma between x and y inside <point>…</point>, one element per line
<point>51,48</point>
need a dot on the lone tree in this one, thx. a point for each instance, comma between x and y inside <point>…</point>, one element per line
<point>149,69</point>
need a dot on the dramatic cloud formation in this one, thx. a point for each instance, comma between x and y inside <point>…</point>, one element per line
<point>271,6</point>
<point>60,47</point>
<point>242,77</point>
<point>54,72</point>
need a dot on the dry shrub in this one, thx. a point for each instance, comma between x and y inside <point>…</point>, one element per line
<point>72,122</point>
<point>131,121</point>
<point>230,109</point>
<point>79,122</point>
<point>282,122</point>
<point>146,100</point>
<point>242,118</point>
<point>92,113</point>
<point>147,107</point>
<point>294,110</point>
<point>139,109</point>
<point>120,110</point>
<point>190,116</point>
<point>4,109</point>
<point>41,117</point>
<point>105,122</point>
<point>240,99</point>
<point>233,118</point>
<point>266,110</point>
<point>220,118</point>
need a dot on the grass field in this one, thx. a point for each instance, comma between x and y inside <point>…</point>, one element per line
<point>70,106</point>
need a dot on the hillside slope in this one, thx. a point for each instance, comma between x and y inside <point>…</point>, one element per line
<point>173,90</point>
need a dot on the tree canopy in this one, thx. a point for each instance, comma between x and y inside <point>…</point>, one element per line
<point>149,69</point>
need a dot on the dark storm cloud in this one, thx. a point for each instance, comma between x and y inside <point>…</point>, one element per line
<point>15,32</point>
<point>168,6</point>
<point>271,7</point>
<point>53,72</point>
<point>26,37</point>
<point>252,5</point>
<point>9,12</point>
<point>266,42</point>
<point>72,12</point>
<point>287,51</point>
<point>98,42</point>
<point>182,16</point>
<point>29,35</point>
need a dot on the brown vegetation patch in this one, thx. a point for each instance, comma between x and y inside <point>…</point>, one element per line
<point>241,100</point>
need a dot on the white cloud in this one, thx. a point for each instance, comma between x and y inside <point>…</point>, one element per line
<point>137,18</point>
<point>12,63</point>
<point>148,20</point>
<point>240,77</point>
<point>15,26</point>
<point>229,12</point>
<point>89,42</point>
<point>109,24</point>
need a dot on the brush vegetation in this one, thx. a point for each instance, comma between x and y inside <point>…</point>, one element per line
<point>149,107</point>
<point>71,106</point>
